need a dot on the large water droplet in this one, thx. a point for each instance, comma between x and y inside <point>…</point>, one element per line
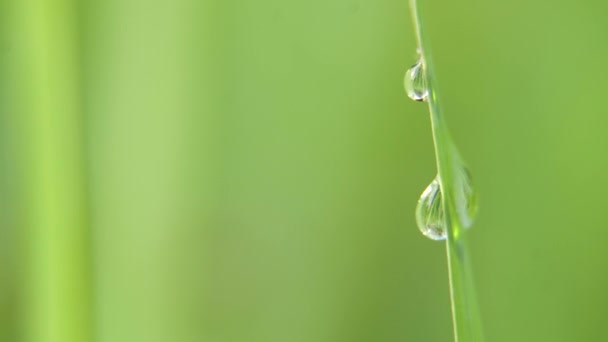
<point>429,212</point>
<point>465,197</point>
<point>415,82</point>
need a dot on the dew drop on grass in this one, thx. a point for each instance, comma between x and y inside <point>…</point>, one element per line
<point>429,212</point>
<point>415,82</point>
<point>430,216</point>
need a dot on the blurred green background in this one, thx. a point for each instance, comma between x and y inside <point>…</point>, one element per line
<point>244,171</point>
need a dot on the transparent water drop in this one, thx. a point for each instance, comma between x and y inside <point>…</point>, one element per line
<point>415,82</point>
<point>465,197</point>
<point>429,212</point>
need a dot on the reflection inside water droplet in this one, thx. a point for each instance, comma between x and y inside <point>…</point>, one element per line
<point>429,212</point>
<point>415,82</point>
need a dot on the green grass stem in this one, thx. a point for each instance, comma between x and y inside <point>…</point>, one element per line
<point>465,312</point>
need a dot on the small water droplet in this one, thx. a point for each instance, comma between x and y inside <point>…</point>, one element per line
<point>466,197</point>
<point>415,82</point>
<point>429,212</point>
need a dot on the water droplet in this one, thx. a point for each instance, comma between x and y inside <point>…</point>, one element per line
<point>429,212</point>
<point>465,197</point>
<point>415,82</point>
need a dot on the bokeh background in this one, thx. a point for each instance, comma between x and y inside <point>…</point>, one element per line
<point>247,171</point>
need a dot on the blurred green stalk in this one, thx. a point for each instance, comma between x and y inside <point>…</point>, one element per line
<point>47,97</point>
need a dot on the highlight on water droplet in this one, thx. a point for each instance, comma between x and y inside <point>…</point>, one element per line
<point>465,196</point>
<point>429,212</point>
<point>415,82</point>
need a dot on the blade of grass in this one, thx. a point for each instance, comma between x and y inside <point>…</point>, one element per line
<point>465,313</point>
